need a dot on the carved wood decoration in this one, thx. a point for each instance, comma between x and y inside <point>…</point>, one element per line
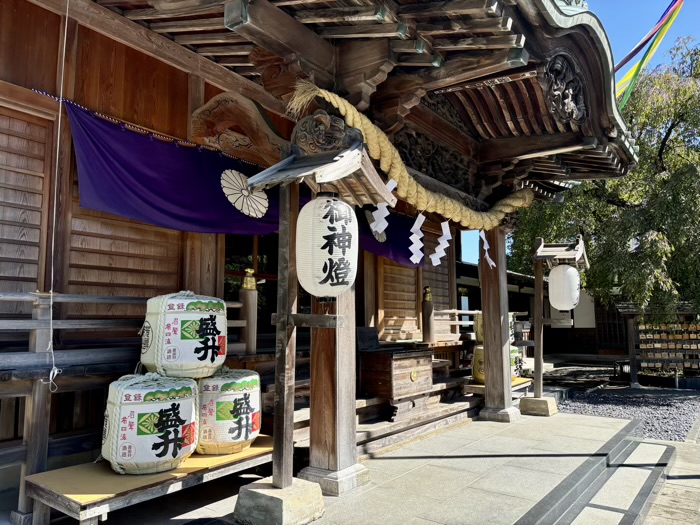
<point>422,154</point>
<point>252,138</point>
<point>321,132</point>
<point>564,89</point>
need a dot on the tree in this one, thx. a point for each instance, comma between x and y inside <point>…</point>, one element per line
<point>642,231</point>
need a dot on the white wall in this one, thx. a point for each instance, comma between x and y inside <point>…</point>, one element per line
<point>584,313</point>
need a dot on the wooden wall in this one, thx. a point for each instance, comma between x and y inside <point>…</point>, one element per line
<point>400,291</point>
<point>111,255</point>
<point>29,38</point>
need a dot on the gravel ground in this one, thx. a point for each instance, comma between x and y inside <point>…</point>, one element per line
<point>666,415</point>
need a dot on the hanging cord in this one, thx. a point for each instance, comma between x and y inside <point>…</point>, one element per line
<point>55,371</point>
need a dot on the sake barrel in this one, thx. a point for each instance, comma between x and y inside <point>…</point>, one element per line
<point>184,335</point>
<point>478,364</point>
<point>478,368</point>
<point>479,327</point>
<point>150,423</point>
<point>229,408</point>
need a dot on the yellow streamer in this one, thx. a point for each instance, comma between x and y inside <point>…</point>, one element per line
<point>380,148</point>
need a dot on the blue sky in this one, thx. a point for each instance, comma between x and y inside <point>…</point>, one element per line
<point>626,22</point>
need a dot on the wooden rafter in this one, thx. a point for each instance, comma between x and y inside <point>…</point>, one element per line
<point>399,30</point>
<point>494,26</point>
<point>377,13</point>
<point>531,147</point>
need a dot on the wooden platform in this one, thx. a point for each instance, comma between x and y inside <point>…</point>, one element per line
<point>87,491</point>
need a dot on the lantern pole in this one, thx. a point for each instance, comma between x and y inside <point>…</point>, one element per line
<point>285,341</point>
<point>538,328</point>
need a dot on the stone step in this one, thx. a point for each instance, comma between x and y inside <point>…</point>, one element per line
<point>623,493</point>
<point>379,435</point>
<point>561,500</point>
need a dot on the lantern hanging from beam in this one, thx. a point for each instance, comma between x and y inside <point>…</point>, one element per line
<point>564,287</point>
<point>327,246</point>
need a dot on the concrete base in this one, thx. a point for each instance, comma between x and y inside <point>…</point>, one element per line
<point>260,503</point>
<point>500,415</point>
<point>337,482</point>
<point>538,406</point>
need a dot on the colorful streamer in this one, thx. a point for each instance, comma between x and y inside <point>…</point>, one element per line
<point>627,84</point>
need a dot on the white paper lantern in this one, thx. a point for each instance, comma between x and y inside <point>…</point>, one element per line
<point>150,423</point>
<point>184,335</point>
<point>327,246</point>
<point>564,287</point>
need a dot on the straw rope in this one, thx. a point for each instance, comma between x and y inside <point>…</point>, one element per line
<point>408,189</point>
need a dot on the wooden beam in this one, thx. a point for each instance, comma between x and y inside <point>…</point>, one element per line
<point>527,147</point>
<point>488,42</point>
<point>279,33</point>
<point>210,38</point>
<point>346,15</point>
<point>131,34</point>
<point>491,81</point>
<point>400,30</point>
<point>443,132</point>
<point>419,46</point>
<point>226,51</point>
<point>450,8</point>
<point>435,60</point>
<point>186,26</point>
<point>494,26</point>
<point>155,14</point>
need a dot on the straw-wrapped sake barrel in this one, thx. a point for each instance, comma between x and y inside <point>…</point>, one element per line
<point>229,403</point>
<point>150,423</point>
<point>184,335</point>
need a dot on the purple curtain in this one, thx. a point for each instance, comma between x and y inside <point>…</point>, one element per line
<point>131,175</point>
<point>139,177</point>
<point>396,246</point>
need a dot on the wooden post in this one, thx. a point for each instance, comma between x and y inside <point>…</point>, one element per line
<point>249,312</point>
<point>538,328</point>
<point>333,450</point>
<point>631,349</point>
<point>428,316</point>
<point>285,341</point>
<point>37,415</point>
<point>494,304</point>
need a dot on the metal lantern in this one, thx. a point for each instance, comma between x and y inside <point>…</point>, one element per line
<point>564,287</point>
<point>327,246</point>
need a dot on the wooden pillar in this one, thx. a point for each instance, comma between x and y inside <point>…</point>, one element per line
<point>538,327</point>
<point>632,350</point>
<point>37,415</point>
<point>333,446</point>
<point>249,312</point>
<point>370,269</point>
<point>203,253</point>
<point>494,305</point>
<point>428,327</point>
<point>285,340</point>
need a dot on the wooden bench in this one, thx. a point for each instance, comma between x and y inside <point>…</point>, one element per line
<point>88,492</point>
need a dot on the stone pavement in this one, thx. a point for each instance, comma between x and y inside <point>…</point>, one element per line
<point>678,502</point>
<point>478,473</point>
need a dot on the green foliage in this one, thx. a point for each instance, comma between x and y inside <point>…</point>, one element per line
<point>642,231</point>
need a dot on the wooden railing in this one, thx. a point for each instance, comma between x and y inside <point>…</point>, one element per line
<point>23,374</point>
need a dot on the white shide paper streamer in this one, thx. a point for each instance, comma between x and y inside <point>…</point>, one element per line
<point>416,243</point>
<point>443,244</point>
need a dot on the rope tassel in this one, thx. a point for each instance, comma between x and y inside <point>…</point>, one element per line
<point>408,189</point>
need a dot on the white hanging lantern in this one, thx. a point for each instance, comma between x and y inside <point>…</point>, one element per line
<point>327,246</point>
<point>564,287</point>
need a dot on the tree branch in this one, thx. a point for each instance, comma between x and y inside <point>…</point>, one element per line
<point>664,142</point>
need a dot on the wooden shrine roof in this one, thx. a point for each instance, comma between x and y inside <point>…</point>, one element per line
<point>531,83</point>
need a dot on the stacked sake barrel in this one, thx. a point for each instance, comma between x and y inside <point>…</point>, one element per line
<point>478,361</point>
<point>187,401</point>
